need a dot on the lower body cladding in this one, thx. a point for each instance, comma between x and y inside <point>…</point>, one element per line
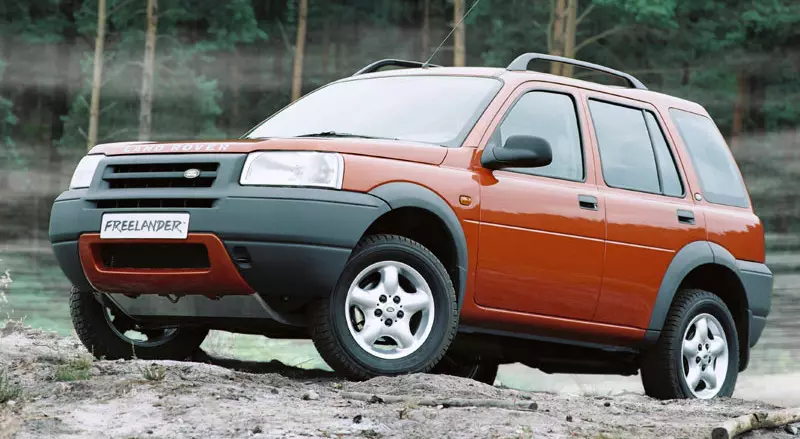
<point>258,254</point>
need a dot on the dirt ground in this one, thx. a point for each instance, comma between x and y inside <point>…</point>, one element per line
<point>232,399</point>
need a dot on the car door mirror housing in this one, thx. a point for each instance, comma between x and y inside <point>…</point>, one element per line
<point>519,151</point>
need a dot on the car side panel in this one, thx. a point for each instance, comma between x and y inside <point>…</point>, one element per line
<point>363,174</point>
<point>643,236</point>
<point>477,316</point>
<point>540,252</point>
<point>738,230</point>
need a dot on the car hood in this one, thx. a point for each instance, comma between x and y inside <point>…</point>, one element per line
<point>391,149</point>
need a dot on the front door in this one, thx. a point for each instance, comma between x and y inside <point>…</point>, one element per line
<point>542,230</point>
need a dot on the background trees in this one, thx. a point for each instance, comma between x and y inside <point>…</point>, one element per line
<point>201,68</point>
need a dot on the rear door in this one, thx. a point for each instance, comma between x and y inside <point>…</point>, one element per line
<point>649,213</point>
<point>542,229</point>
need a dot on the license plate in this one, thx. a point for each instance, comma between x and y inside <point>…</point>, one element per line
<point>144,226</point>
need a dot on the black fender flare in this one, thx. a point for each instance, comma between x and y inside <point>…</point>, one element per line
<point>687,259</point>
<point>404,194</point>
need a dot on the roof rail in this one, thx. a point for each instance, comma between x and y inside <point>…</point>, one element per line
<point>377,65</point>
<point>522,61</point>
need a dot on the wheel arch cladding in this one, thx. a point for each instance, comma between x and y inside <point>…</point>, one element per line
<point>707,266</point>
<point>401,195</point>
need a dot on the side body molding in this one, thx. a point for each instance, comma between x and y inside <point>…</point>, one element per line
<point>402,194</point>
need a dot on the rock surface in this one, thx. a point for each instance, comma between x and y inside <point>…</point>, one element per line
<point>265,400</point>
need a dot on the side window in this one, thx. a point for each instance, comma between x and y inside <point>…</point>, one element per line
<point>551,116</point>
<point>626,153</point>
<point>716,169</point>
<point>670,179</point>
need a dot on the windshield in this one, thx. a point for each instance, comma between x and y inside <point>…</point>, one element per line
<point>430,109</point>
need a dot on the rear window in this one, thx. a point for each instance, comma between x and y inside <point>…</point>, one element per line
<point>719,177</point>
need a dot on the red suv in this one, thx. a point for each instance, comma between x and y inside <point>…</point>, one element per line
<point>434,219</point>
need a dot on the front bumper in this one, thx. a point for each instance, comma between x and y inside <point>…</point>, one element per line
<point>291,242</point>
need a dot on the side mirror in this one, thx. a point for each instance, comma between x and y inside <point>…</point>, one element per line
<point>519,152</point>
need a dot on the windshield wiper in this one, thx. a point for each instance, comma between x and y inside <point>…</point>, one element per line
<point>338,134</point>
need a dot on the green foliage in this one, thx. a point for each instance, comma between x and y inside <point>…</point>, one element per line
<point>76,369</point>
<point>9,390</point>
<point>184,97</point>
<point>221,67</point>
<point>7,122</point>
<point>7,118</point>
<point>37,21</point>
<point>153,372</point>
<point>660,13</point>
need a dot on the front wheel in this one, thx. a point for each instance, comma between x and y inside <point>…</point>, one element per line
<point>697,354</point>
<point>108,333</point>
<point>392,312</point>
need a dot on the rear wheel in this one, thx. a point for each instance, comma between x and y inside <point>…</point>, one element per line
<point>108,333</point>
<point>392,312</point>
<point>697,354</point>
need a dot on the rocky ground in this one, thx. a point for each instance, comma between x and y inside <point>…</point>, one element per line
<point>65,394</point>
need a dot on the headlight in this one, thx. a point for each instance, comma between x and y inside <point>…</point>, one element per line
<point>293,168</point>
<point>82,177</point>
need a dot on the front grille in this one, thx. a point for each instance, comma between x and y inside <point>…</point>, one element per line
<point>156,203</point>
<point>159,175</point>
<point>155,256</point>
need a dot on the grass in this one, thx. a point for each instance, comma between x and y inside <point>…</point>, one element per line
<point>77,369</point>
<point>153,372</point>
<point>9,390</point>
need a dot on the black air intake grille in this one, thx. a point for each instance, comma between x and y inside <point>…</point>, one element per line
<point>160,175</point>
<point>155,256</point>
<point>156,203</point>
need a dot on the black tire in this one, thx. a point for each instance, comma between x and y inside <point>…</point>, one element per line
<point>662,366</point>
<point>484,371</point>
<point>330,331</point>
<point>96,333</point>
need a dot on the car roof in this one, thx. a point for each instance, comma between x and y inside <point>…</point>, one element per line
<point>514,78</point>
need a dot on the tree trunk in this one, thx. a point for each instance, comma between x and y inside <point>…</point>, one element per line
<point>97,76</point>
<point>299,51</point>
<point>460,49</point>
<point>687,74</point>
<point>557,46</point>
<point>756,103</point>
<point>236,90</point>
<point>146,99</point>
<point>444,402</point>
<point>754,421</point>
<point>570,29</point>
<point>326,43</point>
<point>739,108</point>
<point>64,75</point>
<point>426,29</point>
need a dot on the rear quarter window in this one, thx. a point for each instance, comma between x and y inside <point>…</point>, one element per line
<point>719,176</point>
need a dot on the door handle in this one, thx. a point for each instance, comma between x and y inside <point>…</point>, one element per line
<point>685,216</point>
<point>587,202</point>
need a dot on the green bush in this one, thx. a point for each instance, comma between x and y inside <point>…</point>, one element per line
<point>9,390</point>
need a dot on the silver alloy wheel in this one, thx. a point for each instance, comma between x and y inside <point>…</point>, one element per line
<point>128,331</point>
<point>389,310</point>
<point>705,356</point>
